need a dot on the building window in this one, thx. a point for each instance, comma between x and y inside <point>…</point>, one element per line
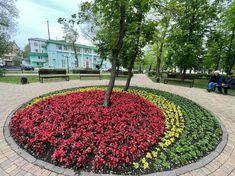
<point>87,50</point>
<point>59,47</point>
<point>36,50</point>
<point>35,44</point>
<point>63,63</point>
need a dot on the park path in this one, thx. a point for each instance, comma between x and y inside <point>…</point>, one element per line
<point>12,96</point>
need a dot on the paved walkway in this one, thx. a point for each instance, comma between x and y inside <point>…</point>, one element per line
<point>12,96</point>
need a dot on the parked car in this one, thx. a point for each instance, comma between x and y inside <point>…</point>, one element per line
<point>27,67</point>
<point>2,65</point>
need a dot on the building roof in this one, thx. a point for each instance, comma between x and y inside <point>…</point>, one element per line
<point>38,39</point>
<point>63,42</point>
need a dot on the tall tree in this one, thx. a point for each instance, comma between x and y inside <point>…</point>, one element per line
<point>4,44</point>
<point>186,40</point>
<point>115,53</point>
<point>8,15</point>
<point>163,12</point>
<point>109,22</point>
<point>70,35</point>
<point>215,50</point>
<point>230,25</point>
<point>26,51</point>
<point>220,43</point>
<point>139,32</point>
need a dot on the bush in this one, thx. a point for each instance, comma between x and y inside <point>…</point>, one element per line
<point>2,71</point>
<point>52,71</point>
<point>85,71</point>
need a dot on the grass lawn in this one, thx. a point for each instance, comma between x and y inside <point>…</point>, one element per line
<point>33,79</point>
<point>199,83</point>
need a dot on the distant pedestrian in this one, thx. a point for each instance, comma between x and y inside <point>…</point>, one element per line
<point>215,81</point>
<point>228,83</point>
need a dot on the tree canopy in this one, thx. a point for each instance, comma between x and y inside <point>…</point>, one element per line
<point>170,34</point>
<point>8,15</point>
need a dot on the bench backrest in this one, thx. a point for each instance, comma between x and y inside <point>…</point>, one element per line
<point>52,71</point>
<point>124,73</point>
<point>180,76</point>
<point>88,71</point>
<point>189,76</point>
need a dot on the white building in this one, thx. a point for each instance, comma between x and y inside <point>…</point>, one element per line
<point>36,45</point>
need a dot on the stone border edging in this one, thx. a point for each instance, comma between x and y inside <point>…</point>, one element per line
<point>69,172</point>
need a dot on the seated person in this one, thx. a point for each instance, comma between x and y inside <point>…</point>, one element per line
<point>215,80</point>
<point>228,83</point>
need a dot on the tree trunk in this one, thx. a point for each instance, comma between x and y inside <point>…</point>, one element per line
<point>230,65</point>
<point>115,52</point>
<point>128,80</point>
<point>158,70</point>
<point>218,60</point>
<point>159,58</point>
<point>135,51</point>
<point>101,64</point>
<point>76,54</point>
<point>150,67</point>
<point>118,69</point>
<point>184,72</point>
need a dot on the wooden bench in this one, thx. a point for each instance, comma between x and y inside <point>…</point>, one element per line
<point>88,73</point>
<point>124,74</point>
<point>228,87</point>
<point>188,78</point>
<point>52,73</point>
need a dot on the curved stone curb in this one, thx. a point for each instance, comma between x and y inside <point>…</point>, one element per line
<point>69,172</point>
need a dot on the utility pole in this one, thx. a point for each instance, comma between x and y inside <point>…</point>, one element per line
<point>48,29</point>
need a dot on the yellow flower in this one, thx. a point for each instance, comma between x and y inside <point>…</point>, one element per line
<point>143,160</point>
<point>155,154</point>
<point>146,166</point>
<point>136,165</point>
<point>148,155</point>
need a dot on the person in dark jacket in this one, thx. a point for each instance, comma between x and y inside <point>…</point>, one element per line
<point>215,81</point>
<point>228,83</point>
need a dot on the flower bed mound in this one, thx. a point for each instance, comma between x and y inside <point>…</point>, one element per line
<point>75,130</point>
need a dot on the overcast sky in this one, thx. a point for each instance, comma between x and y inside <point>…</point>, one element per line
<point>33,16</point>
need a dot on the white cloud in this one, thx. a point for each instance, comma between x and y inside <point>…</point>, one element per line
<point>34,15</point>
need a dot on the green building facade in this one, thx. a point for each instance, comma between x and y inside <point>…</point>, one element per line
<point>60,54</point>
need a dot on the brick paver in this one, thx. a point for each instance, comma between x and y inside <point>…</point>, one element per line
<point>12,96</point>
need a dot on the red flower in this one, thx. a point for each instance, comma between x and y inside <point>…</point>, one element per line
<point>81,131</point>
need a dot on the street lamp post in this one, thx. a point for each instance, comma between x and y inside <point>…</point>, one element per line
<point>67,61</point>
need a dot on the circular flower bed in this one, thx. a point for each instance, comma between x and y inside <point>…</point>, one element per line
<point>144,131</point>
